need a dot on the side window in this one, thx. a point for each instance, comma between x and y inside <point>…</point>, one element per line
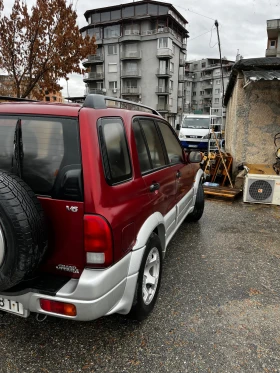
<point>114,149</point>
<point>143,155</point>
<point>174,150</point>
<point>153,143</point>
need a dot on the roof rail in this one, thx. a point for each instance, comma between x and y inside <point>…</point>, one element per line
<point>8,98</point>
<point>99,102</point>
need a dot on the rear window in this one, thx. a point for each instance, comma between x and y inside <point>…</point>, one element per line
<point>44,152</point>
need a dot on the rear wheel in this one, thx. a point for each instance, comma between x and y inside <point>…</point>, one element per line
<point>149,279</point>
<point>199,205</point>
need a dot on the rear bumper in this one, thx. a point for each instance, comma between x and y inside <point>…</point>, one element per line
<point>96,293</point>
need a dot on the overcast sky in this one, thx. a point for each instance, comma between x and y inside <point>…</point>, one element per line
<point>242,25</point>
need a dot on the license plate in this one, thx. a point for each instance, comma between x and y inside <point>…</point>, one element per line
<point>11,306</point>
<point>193,146</point>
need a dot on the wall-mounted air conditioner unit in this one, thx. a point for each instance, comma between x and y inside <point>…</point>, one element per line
<point>262,189</point>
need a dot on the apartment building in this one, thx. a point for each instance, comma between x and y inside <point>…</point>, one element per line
<point>273,38</point>
<point>204,85</point>
<point>141,54</point>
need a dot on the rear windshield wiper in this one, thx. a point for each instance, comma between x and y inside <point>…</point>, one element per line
<point>18,150</point>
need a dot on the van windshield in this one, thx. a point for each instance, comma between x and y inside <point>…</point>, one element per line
<point>195,122</point>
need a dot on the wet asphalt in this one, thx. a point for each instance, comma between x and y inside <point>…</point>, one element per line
<point>218,309</point>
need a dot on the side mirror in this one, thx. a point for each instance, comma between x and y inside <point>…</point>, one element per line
<point>178,127</point>
<point>195,157</point>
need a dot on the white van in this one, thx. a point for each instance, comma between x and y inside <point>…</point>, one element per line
<point>195,131</point>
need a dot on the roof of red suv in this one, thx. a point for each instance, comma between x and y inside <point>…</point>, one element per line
<point>40,108</point>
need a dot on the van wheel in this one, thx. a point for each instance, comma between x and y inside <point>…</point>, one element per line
<point>198,207</point>
<point>23,237</point>
<point>149,279</point>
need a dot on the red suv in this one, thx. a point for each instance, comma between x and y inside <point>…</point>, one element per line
<point>90,197</point>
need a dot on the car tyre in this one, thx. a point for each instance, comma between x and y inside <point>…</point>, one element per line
<point>199,205</point>
<point>149,279</point>
<point>23,236</point>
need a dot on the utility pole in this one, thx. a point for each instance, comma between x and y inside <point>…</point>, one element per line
<point>221,63</point>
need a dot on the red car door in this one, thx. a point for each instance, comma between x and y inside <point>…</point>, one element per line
<point>184,173</point>
<point>158,175</point>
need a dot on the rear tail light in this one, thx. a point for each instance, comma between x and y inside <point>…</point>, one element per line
<point>61,308</point>
<point>98,241</point>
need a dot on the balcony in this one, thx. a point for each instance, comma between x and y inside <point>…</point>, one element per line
<point>207,95</point>
<point>94,59</point>
<point>131,73</point>
<point>164,53</point>
<point>273,24</point>
<point>162,91</point>
<point>164,73</point>
<point>271,53</point>
<point>182,62</point>
<point>130,35</point>
<point>96,91</point>
<point>131,90</point>
<point>162,107</point>
<point>126,55</point>
<point>93,76</point>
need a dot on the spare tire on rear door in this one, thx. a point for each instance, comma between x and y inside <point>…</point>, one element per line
<point>23,237</point>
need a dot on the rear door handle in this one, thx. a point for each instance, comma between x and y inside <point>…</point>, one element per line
<point>154,186</point>
<point>178,174</point>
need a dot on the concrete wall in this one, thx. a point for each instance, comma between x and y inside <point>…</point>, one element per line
<point>253,118</point>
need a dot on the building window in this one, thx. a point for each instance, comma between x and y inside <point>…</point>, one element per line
<point>95,18</point>
<point>194,93</point>
<point>195,66</point>
<point>188,84</point>
<point>115,14</point>
<point>201,93</point>
<point>272,44</point>
<point>218,81</point>
<point>47,98</point>
<point>105,16</point>
<point>128,11</point>
<point>216,100</point>
<point>171,85</point>
<point>112,31</point>
<point>163,43</point>
<point>96,32</point>
<point>171,67</point>
<point>170,101</point>
<point>203,65</point>
<point>112,68</point>
<point>217,91</point>
<point>113,85</point>
<point>173,48</point>
<point>112,49</point>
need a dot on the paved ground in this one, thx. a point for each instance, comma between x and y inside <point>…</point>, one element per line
<point>218,311</point>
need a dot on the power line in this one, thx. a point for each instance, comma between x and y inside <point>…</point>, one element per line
<point>207,32</point>
<point>188,10</point>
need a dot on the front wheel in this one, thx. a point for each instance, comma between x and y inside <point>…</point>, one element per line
<point>149,279</point>
<point>198,206</point>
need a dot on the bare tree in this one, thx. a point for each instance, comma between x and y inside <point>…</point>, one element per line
<point>41,45</point>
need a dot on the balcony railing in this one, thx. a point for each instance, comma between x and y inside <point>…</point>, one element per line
<point>131,55</point>
<point>131,32</point>
<point>165,71</point>
<point>131,90</point>
<point>162,107</point>
<point>97,91</point>
<point>163,90</point>
<point>164,52</point>
<point>93,76</point>
<point>95,57</point>
<point>131,73</point>
<point>273,24</point>
<point>271,53</point>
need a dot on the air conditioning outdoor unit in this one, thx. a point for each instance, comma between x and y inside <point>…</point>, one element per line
<point>262,189</point>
